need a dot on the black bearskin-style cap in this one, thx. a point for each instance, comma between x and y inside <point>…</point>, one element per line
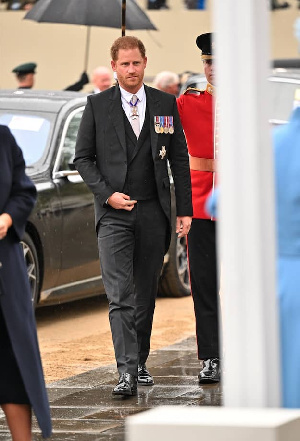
<point>205,44</point>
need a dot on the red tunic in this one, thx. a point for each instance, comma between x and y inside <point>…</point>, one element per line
<point>197,118</point>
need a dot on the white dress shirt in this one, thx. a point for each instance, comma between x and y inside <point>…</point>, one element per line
<point>141,104</point>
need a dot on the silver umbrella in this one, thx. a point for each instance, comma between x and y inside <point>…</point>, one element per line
<point>122,14</point>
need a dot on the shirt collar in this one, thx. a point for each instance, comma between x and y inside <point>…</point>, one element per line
<point>128,95</point>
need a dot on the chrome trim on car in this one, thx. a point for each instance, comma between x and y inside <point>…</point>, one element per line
<point>284,80</point>
<point>55,172</point>
<point>277,122</point>
<point>48,292</point>
<point>64,173</point>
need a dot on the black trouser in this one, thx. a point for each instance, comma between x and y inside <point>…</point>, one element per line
<point>131,247</point>
<point>203,276</point>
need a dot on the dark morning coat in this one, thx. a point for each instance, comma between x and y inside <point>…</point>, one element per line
<point>101,156</point>
<point>17,198</point>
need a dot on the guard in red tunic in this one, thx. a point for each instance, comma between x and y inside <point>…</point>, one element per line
<point>197,114</point>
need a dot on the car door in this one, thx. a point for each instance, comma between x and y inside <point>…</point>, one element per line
<point>80,262</point>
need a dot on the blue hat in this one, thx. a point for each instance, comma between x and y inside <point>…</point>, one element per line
<point>25,68</point>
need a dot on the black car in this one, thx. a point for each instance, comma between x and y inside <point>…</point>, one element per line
<point>60,244</point>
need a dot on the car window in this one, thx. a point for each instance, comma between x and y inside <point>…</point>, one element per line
<point>284,95</point>
<point>197,81</point>
<point>69,140</point>
<point>32,133</point>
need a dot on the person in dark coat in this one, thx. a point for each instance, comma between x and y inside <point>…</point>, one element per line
<point>128,133</point>
<point>22,385</point>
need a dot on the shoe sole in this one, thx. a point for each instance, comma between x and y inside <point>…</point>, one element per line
<point>145,384</point>
<point>208,381</point>
<point>125,394</point>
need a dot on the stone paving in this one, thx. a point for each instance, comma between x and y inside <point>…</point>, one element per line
<point>83,408</point>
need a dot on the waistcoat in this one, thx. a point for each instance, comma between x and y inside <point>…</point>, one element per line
<point>140,180</point>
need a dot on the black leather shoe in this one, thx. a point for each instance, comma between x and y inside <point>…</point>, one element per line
<point>210,372</point>
<point>127,385</point>
<point>144,377</point>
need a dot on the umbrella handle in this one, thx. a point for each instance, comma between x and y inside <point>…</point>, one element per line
<point>87,46</point>
<point>123,17</point>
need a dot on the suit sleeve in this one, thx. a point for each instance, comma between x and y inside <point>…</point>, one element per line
<point>85,156</point>
<point>23,192</point>
<point>179,163</point>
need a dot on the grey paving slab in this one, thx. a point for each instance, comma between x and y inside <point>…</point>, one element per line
<point>83,408</point>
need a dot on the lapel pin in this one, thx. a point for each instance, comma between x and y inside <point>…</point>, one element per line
<point>162,152</point>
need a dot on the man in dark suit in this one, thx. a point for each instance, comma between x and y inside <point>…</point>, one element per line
<point>126,136</point>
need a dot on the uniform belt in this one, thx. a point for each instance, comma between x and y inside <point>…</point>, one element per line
<point>203,164</point>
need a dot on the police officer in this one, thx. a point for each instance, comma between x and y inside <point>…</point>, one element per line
<point>25,75</point>
<point>196,109</point>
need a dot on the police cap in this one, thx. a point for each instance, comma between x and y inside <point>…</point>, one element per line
<point>25,68</point>
<point>205,44</point>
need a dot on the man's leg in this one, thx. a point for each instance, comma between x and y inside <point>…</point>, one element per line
<point>116,249</point>
<point>151,230</point>
<point>18,417</point>
<point>203,275</point>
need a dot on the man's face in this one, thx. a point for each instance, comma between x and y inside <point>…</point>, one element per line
<point>130,67</point>
<point>26,80</point>
<point>209,71</point>
<point>173,89</point>
<point>30,79</point>
<point>102,81</point>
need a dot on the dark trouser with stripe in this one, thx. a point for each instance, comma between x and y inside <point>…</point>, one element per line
<point>132,246</point>
<point>203,275</point>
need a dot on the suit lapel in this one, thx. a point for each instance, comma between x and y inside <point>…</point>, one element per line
<point>154,109</point>
<point>117,116</point>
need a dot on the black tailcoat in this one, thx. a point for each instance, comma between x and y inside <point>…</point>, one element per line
<point>101,156</point>
<point>132,244</point>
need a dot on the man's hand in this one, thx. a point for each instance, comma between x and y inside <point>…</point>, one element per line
<point>5,224</point>
<point>183,225</point>
<point>121,201</point>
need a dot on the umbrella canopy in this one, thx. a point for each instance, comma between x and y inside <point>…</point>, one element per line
<point>106,13</point>
<point>90,13</point>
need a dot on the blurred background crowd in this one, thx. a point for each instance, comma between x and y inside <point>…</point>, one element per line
<point>149,4</point>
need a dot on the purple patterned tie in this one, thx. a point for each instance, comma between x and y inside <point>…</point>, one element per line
<point>134,115</point>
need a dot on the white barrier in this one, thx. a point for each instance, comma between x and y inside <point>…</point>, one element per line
<point>178,423</point>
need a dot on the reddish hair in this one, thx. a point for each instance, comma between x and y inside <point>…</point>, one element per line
<point>126,42</point>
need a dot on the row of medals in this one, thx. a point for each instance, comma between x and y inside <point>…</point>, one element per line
<point>164,124</point>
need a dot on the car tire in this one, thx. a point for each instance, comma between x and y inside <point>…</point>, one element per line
<point>174,281</point>
<point>33,267</point>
